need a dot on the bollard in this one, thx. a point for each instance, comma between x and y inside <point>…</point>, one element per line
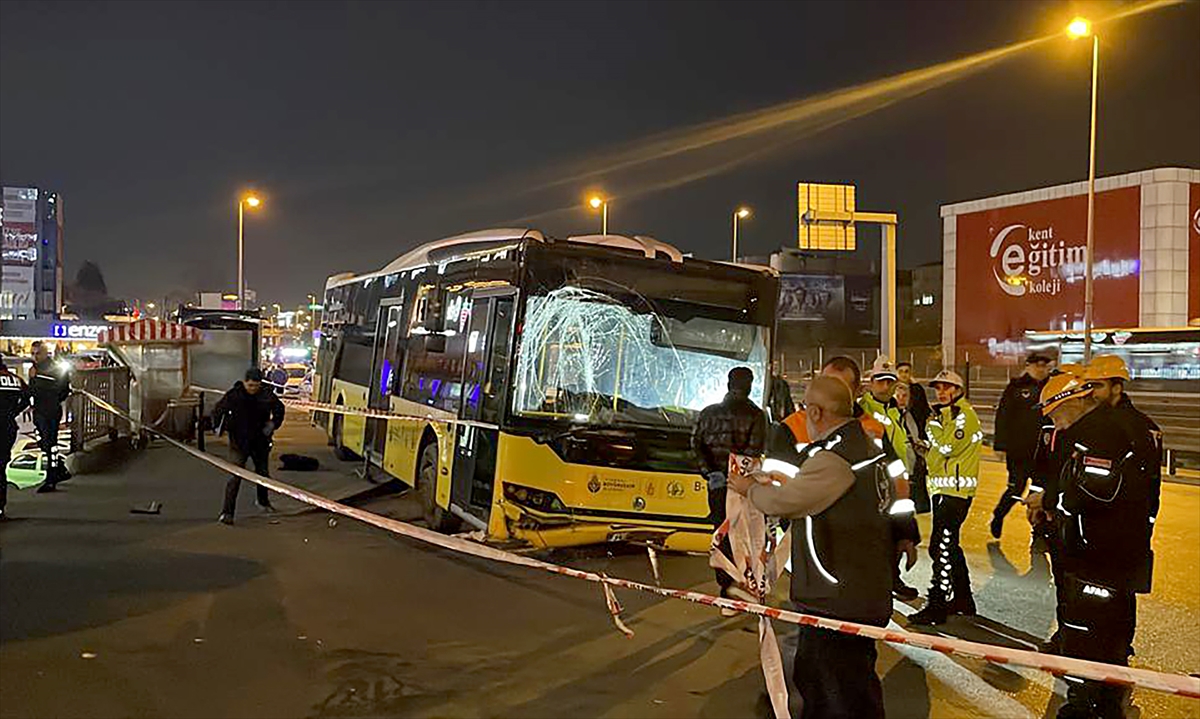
<point>1171,462</point>
<point>200,423</point>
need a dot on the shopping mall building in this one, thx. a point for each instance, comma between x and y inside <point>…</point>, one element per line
<point>1014,269</point>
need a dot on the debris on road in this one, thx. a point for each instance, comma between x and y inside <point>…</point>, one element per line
<point>151,508</point>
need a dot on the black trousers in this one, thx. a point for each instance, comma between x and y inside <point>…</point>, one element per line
<point>716,513</point>
<point>951,581</point>
<point>8,437</point>
<point>261,457</point>
<point>917,485</point>
<point>1098,623</point>
<point>1020,469</point>
<point>1052,533</point>
<point>46,420</point>
<point>835,676</point>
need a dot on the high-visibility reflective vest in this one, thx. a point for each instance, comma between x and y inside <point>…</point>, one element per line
<point>955,444</point>
<point>888,415</point>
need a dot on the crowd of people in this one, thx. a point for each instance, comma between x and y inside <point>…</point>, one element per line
<point>1081,459</point>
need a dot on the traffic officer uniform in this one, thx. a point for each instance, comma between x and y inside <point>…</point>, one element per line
<point>1104,515</point>
<point>49,386</point>
<point>14,398</point>
<point>956,442</point>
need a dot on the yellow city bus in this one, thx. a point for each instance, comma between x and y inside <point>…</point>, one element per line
<point>549,387</point>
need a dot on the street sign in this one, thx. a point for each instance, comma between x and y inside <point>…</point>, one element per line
<point>816,203</point>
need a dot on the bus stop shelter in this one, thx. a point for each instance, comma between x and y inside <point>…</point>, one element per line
<point>157,354</point>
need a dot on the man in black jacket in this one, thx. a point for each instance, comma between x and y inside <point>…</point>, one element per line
<point>842,552</point>
<point>733,426</point>
<point>1018,427</point>
<point>14,398</point>
<point>49,385</point>
<point>1104,500</point>
<point>251,417</point>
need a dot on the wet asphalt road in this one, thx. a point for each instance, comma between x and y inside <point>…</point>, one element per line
<point>108,614</point>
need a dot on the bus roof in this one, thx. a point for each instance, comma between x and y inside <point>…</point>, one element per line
<point>421,256</point>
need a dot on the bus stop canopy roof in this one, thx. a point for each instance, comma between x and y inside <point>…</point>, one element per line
<point>146,331</point>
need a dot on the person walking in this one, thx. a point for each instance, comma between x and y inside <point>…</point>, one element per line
<point>735,425</point>
<point>1018,426</point>
<point>1104,495</point>
<point>50,385</point>
<point>955,444</point>
<point>14,398</point>
<point>251,416</point>
<point>842,553</point>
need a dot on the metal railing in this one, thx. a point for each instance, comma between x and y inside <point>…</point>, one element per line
<point>88,422</point>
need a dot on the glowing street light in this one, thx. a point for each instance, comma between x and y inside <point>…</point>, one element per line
<point>740,213</point>
<point>599,203</point>
<point>250,201</point>
<point>1080,28</point>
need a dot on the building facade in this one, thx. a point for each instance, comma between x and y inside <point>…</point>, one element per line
<point>1014,264</point>
<point>31,284</point>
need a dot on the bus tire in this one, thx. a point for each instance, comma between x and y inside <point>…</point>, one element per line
<point>339,450</point>
<point>436,518</point>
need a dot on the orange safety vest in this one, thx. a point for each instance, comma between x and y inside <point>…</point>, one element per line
<point>799,427</point>
<point>873,427</point>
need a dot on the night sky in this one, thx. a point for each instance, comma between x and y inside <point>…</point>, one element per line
<point>371,127</point>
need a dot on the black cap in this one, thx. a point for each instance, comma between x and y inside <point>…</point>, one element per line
<point>254,374</point>
<point>1038,358</point>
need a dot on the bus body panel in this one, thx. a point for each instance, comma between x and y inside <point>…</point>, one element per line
<point>602,503</point>
<point>354,427</point>
<point>402,452</point>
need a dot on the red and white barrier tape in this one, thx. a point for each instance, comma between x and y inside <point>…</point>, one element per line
<point>309,406</point>
<point>1169,683</point>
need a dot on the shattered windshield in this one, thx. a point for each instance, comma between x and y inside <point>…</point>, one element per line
<point>605,357</point>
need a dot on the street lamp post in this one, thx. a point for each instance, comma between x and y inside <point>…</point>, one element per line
<point>1078,28</point>
<point>739,214</point>
<point>599,203</point>
<point>247,201</point>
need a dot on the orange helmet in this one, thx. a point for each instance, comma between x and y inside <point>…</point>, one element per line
<point>1059,389</point>
<point>1106,367</point>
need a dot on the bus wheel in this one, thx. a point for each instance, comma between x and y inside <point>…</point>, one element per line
<point>339,449</point>
<point>437,518</point>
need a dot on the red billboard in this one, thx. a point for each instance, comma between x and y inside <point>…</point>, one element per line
<point>1194,253</point>
<point>1022,268</point>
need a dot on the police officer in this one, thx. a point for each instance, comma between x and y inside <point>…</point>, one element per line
<point>14,398</point>
<point>50,385</point>
<point>879,402</point>
<point>1104,503</point>
<point>1018,426</point>
<point>955,445</point>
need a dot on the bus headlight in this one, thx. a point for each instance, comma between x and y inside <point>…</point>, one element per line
<point>538,499</point>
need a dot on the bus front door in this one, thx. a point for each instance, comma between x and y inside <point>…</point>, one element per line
<point>485,372</point>
<point>384,375</point>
